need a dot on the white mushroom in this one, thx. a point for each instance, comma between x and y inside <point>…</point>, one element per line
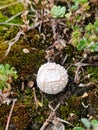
<point>52,78</point>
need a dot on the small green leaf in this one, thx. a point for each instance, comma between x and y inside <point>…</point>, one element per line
<point>94,123</point>
<point>76,34</point>
<point>89,27</point>
<point>78,128</point>
<point>7,67</point>
<point>82,44</point>
<point>74,7</point>
<point>40,104</point>
<point>58,11</point>
<point>96,23</point>
<point>68,15</point>
<point>76,28</point>
<point>86,122</point>
<point>94,47</point>
<point>78,18</point>
<point>80,1</point>
<point>5,72</point>
<point>96,29</point>
<point>1,67</point>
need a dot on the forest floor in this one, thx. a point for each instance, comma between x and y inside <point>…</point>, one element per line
<point>49,41</point>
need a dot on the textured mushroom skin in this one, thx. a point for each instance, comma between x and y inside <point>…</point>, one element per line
<point>52,78</point>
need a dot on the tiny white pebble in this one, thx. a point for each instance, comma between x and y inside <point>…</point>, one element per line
<point>26,51</point>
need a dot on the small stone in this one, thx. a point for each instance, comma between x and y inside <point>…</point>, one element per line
<point>26,51</point>
<point>30,83</point>
<point>84,95</point>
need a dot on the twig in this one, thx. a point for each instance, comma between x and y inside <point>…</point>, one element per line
<point>13,41</point>
<point>46,123</point>
<point>65,58</point>
<point>35,98</point>
<point>50,117</point>
<point>10,114</point>
<point>66,122</point>
<point>87,85</point>
<point>54,109</point>
<point>77,77</point>
<point>22,86</point>
<point>85,106</point>
<point>79,66</point>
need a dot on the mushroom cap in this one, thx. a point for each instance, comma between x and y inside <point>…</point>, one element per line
<point>52,78</point>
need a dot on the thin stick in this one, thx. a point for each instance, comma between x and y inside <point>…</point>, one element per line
<point>61,120</point>
<point>50,117</point>
<point>10,114</point>
<point>35,98</point>
<point>13,41</point>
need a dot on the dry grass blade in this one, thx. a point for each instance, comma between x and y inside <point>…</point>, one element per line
<point>11,18</point>
<point>9,5</point>
<point>10,24</point>
<point>50,117</point>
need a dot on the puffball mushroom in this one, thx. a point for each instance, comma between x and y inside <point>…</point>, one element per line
<point>52,78</point>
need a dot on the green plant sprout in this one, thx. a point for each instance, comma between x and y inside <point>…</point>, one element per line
<point>6,74</point>
<point>89,125</point>
<point>87,41</point>
<point>79,2</point>
<point>58,11</point>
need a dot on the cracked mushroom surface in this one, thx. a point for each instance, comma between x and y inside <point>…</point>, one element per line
<point>52,78</point>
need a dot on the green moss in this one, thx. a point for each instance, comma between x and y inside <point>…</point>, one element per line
<point>4,111</point>
<point>10,33</point>
<point>11,7</point>
<point>25,63</point>
<point>16,8</point>
<point>39,115</point>
<point>92,100</point>
<point>94,71</point>
<point>2,51</point>
<point>9,12</point>
<point>6,2</point>
<point>20,119</point>
<point>73,106</point>
<point>2,17</point>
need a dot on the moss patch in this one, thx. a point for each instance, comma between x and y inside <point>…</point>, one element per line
<point>94,73</point>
